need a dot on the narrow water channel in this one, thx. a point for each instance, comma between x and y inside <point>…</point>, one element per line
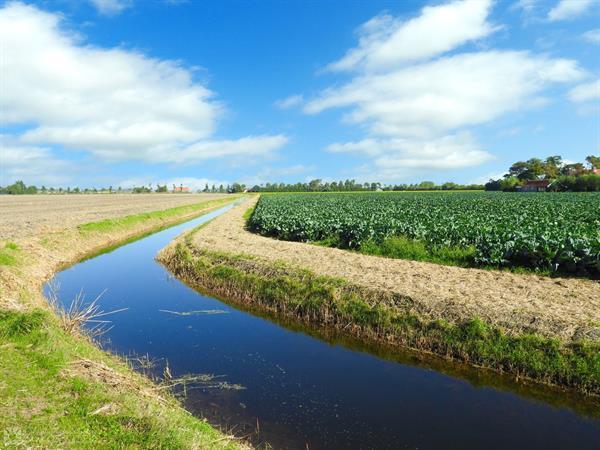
<point>299,391</point>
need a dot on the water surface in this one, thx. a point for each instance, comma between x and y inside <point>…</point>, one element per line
<point>300,391</point>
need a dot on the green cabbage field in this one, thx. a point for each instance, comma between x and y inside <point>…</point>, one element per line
<point>558,232</point>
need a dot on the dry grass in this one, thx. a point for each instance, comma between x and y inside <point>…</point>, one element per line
<point>568,309</point>
<point>81,317</point>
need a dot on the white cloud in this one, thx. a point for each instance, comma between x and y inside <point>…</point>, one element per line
<point>118,104</point>
<point>289,102</point>
<point>385,41</point>
<point>570,9</point>
<point>416,103</point>
<point>592,36</point>
<point>33,165</point>
<point>111,7</point>
<point>526,5</point>
<point>585,92</point>
<point>445,94</point>
<point>446,152</point>
<point>275,174</point>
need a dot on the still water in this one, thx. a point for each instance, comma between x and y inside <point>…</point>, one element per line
<point>295,390</point>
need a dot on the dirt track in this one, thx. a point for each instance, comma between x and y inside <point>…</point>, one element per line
<point>28,215</point>
<point>556,307</point>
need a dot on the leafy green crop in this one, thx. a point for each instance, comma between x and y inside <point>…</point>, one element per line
<point>556,232</point>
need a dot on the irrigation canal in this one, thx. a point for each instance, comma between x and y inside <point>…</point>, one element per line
<point>300,391</point>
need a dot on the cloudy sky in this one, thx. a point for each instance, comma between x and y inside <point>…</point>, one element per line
<point>123,92</point>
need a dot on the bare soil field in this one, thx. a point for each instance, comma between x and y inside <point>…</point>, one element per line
<point>28,215</point>
<point>44,231</point>
<point>564,308</point>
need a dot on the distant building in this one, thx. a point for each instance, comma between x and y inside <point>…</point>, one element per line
<point>596,171</point>
<point>181,189</point>
<point>535,186</point>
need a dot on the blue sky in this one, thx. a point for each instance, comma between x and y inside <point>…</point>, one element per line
<point>129,92</point>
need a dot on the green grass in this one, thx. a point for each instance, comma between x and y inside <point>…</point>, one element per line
<point>9,255</point>
<point>248,213</point>
<point>45,404</point>
<point>326,302</point>
<point>403,248</point>
<point>108,225</point>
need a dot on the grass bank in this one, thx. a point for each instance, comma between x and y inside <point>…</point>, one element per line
<point>57,388</point>
<point>379,316</point>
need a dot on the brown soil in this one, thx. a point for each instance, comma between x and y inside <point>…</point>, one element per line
<point>44,228</point>
<point>564,308</point>
<point>29,215</point>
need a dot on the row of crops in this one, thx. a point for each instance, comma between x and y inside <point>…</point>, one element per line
<point>554,231</point>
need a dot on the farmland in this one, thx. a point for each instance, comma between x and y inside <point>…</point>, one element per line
<point>431,307</point>
<point>548,233</point>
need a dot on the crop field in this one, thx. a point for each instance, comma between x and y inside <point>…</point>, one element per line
<point>546,232</point>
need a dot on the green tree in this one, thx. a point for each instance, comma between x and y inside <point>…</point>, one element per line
<point>593,161</point>
<point>552,166</point>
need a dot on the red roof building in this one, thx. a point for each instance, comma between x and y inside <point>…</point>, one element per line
<point>535,186</point>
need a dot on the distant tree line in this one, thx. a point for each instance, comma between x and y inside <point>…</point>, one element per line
<point>578,177</point>
<point>19,187</point>
<point>563,177</point>
<point>318,185</point>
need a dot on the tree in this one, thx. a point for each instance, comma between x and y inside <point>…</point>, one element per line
<point>314,185</point>
<point>593,161</point>
<point>236,188</point>
<point>426,185</point>
<point>552,166</point>
<point>449,185</point>
<point>517,170</point>
<point>575,169</point>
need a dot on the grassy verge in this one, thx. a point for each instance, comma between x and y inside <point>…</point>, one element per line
<point>401,247</point>
<point>109,225</point>
<point>9,254</point>
<point>325,302</point>
<point>57,389</point>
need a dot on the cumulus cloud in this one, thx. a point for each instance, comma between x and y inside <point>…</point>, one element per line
<point>592,36</point>
<point>34,165</point>
<point>415,100</point>
<point>111,7</point>
<point>385,41</point>
<point>585,92</point>
<point>447,93</point>
<point>289,102</point>
<point>118,104</point>
<point>446,152</point>
<point>570,9</point>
